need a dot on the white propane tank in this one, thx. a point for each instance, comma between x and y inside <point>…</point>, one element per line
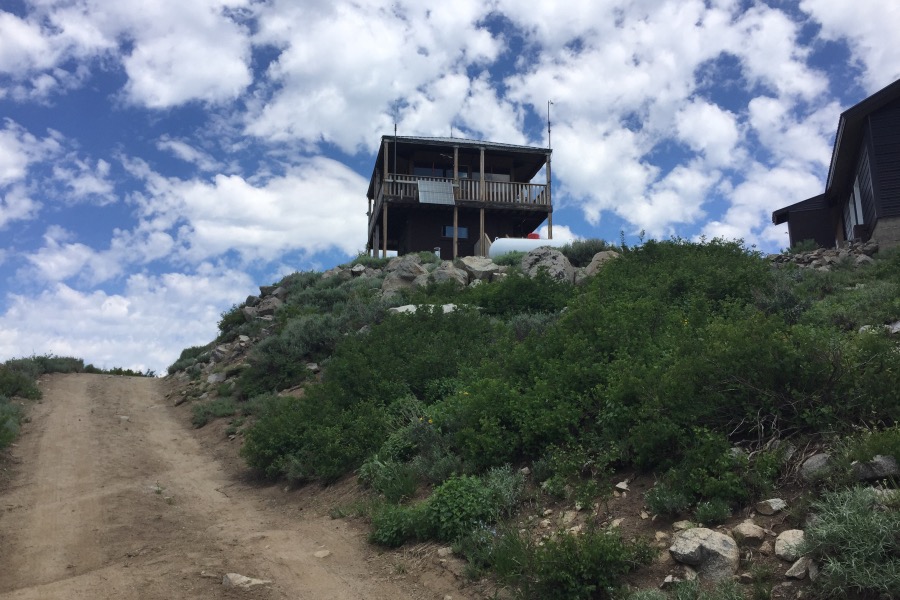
<point>502,246</point>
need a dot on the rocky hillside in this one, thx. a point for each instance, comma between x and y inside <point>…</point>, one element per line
<point>598,422</point>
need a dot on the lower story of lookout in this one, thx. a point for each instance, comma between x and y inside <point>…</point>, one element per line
<point>418,228</point>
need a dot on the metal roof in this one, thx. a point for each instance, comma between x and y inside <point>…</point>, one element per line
<point>462,142</point>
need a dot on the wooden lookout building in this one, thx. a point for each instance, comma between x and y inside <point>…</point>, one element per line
<point>454,196</point>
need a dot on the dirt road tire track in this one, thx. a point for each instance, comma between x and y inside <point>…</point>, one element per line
<point>115,498</point>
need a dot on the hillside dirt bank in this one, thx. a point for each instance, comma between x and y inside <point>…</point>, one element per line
<point>113,495</point>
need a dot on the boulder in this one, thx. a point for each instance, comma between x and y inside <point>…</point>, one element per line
<point>749,533</point>
<point>408,267</point>
<point>394,283</point>
<point>787,544</point>
<point>280,293</point>
<point>268,306</point>
<point>816,466</point>
<point>771,506</point>
<point>600,259</point>
<point>357,270</point>
<point>249,313</point>
<point>552,260</point>
<point>448,272</point>
<point>479,267</point>
<point>714,554</point>
<point>266,290</point>
<point>880,467</point>
<point>216,378</point>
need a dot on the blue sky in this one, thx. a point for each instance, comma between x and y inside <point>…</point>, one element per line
<point>160,160</point>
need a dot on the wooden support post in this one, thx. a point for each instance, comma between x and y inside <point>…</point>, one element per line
<point>481,181</point>
<point>384,229</point>
<point>455,231</point>
<point>550,226</point>
<point>481,235</point>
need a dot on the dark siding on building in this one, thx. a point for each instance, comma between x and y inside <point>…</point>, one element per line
<point>885,130</point>
<point>867,195</point>
<point>811,225</point>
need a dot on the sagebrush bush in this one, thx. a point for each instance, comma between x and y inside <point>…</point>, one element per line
<point>203,413</point>
<point>856,542</point>
<point>510,259</point>
<point>590,565</point>
<point>10,418</point>
<point>16,383</point>
<point>581,252</point>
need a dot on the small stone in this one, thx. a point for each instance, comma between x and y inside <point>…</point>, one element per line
<point>525,471</point>
<point>749,532</point>
<point>445,552</point>
<point>661,536</point>
<point>240,581</point>
<point>771,506</point>
<point>766,548</point>
<point>745,578</point>
<point>800,568</point>
<point>545,523</point>
<point>669,581</point>
<point>548,512</point>
<point>568,517</point>
<point>616,522</point>
<point>644,515</point>
<point>322,553</point>
<point>787,544</point>
<point>622,486</point>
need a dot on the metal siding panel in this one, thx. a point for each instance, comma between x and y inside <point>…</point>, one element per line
<point>885,167</point>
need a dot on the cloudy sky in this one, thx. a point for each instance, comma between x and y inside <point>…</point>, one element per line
<point>160,159</point>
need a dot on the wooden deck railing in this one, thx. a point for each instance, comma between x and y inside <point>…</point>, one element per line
<point>469,190</point>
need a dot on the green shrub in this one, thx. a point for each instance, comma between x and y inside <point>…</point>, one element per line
<point>581,252</point>
<point>856,543</point>
<point>590,565</point>
<point>230,320</point>
<point>803,246</point>
<point>369,261</point>
<point>16,383</point>
<point>712,512</point>
<point>457,506</point>
<point>187,358</point>
<point>505,487</point>
<point>10,417</point>
<point>663,499</point>
<point>867,445</point>
<point>393,525</point>
<point>510,259</point>
<point>692,590</point>
<point>396,481</point>
<point>203,413</point>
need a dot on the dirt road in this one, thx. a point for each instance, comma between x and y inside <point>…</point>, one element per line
<point>115,497</point>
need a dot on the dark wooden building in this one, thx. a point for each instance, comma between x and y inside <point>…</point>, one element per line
<point>862,194</point>
<point>455,195</point>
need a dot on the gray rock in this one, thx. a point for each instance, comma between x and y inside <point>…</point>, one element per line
<point>552,260</point>
<point>249,312</point>
<point>447,272</point>
<point>280,293</point>
<point>816,466</point>
<point>266,290</point>
<point>714,554</point>
<point>749,533</point>
<point>408,267</point>
<point>801,568</point>
<point>219,353</point>
<point>216,378</point>
<point>862,260</point>
<point>880,467</point>
<point>479,267</point>
<point>268,306</point>
<point>600,259</point>
<point>393,284</point>
<point>251,301</point>
<point>787,544</point>
<point>357,270</point>
<point>771,506</point>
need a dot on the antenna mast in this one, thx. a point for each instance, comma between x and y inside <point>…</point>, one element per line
<point>549,102</point>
